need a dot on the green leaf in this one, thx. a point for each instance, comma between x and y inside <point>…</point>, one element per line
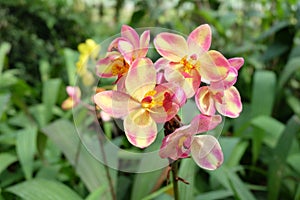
<point>4,98</point>
<point>297,194</point>
<point>50,92</point>
<point>187,171</point>
<point>257,140</point>
<point>237,153</point>
<point>159,192</point>
<point>91,171</point>
<point>294,161</point>
<point>44,67</point>
<point>97,194</point>
<point>272,128</point>
<point>4,49</point>
<point>290,68</point>
<point>26,149</point>
<point>214,195</point>
<point>5,160</point>
<point>70,59</point>
<point>263,95</point>
<point>144,183</point>
<point>231,181</point>
<point>38,189</point>
<point>277,164</point>
<point>294,103</point>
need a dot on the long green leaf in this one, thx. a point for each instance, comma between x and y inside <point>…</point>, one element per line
<point>70,59</point>
<point>4,98</point>
<point>144,183</point>
<point>277,164</point>
<point>38,189</point>
<point>263,95</point>
<point>26,149</point>
<point>90,170</point>
<point>214,195</point>
<point>231,181</point>
<point>187,171</point>
<point>5,160</point>
<point>291,67</point>
<point>50,92</point>
<point>4,49</point>
<point>272,128</point>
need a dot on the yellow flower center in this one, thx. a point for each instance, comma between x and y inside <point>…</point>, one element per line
<point>181,141</point>
<point>187,65</point>
<point>148,102</point>
<point>119,66</point>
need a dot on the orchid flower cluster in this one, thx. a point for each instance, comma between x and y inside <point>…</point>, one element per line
<point>148,93</point>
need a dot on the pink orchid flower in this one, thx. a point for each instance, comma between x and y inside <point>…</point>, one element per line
<point>205,149</point>
<point>143,104</point>
<point>121,53</point>
<point>74,94</point>
<point>222,96</point>
<point>191,60</point>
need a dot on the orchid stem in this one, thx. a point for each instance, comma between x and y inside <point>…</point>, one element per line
<point>174,169</point>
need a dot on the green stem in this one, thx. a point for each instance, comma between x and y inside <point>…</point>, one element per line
<point>174,169</point>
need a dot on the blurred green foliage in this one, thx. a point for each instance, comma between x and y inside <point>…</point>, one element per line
<point>39,146</point>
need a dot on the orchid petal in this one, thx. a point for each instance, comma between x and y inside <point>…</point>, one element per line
<point>171,46</point>
<point>127,50</point>
<point>141,78</point>
<point>188,84</point>
<point>144,44</point>
<point>174,91</point>
<point>140,129</point>
<point>205,101</point>
<point>206,152</point>
<point>74,92</point>
<point>231,104</point>
<point>227,82</point>
<point>203,123</point>
<point>104,65</point>
<point>177,144</point>
<point>237,62</point>
<point>160,115</point>
<point>113,46</point>
<point>68,104</point>
<point>161,63</point>
<point>213,66</point>
<point>200,36</point>
<point>131,35</point>
<point>115,103</point>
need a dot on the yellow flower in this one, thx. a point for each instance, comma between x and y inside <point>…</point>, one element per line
<point>89,49</point>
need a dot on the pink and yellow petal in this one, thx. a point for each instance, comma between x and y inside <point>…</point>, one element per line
<point>171,46</point>
<point>160,114</point>
<point>177,144</point>
<point>200,36</point>
<point>206,152</point>
<point>131,35</point>
<point>144,44</point>
<point>231,104</point>
<point>115,103</point>
<point>74,92</point>
<point>237,62</point>
<point>68,104</point>
<point>205,101</point>
<point>105,65</point>
<point>188,84</point>
<point>127,50</point>
<point>141,78</point>
<point>140,128</point>
<point>213,66</point>
<point>203,123</point>
<point>227,82</point>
